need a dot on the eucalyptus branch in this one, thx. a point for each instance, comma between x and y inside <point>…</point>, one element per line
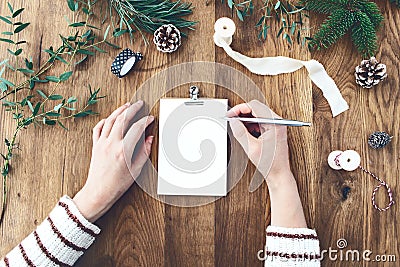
<point>39,108</point>
<point>290,16</point>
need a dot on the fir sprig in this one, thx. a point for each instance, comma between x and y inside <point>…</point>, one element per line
<point>361,17</point>
<point>35,107</point>
<point>146,16</point>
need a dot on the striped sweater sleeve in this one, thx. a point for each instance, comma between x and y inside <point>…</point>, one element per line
<point>59,240</point>
<point>291,247</point>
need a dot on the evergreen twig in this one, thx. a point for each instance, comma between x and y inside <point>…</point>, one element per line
<point>146,16</point>
<point>361,17</point>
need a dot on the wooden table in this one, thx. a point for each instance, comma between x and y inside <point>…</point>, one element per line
<point>140,231</point>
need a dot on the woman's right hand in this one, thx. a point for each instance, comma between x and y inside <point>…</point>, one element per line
<point>269,152</point>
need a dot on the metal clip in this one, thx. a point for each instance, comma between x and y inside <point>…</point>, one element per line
<point>194,92</point>
<point>194,97</point>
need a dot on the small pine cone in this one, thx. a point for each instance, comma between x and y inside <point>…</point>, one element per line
<point>379,139</point>
<point>370,73</point>
<point>167,38</point>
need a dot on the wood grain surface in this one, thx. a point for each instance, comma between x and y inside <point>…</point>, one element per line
<point>142,231</point>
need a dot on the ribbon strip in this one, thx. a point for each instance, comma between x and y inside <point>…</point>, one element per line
<point>224,29</point>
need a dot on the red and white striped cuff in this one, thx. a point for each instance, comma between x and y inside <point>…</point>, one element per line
<point>59,241</point>
<point>291,247</point>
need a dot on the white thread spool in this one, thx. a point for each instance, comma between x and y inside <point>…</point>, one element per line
<point>348,160</point>
<point>224,30</point>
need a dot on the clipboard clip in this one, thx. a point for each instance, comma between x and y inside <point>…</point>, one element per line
<point>194,93</point>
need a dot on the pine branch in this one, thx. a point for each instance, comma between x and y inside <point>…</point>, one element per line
<point>364,35</point>
<point>147,16</point>
<point>323,6</point>
<point>363,17</point>
<point>333,28</point>
<point>373,12</point>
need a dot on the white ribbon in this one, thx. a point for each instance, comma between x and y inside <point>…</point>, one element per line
<point>224,30</point>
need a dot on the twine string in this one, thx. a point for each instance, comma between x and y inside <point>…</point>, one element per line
<point>381,183</point>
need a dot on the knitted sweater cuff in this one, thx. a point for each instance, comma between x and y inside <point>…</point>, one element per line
<point>291,247</point>
<point>58,241</point>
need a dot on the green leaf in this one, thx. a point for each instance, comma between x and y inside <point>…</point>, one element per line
<point>57,108</point>
<point>65,76</point>
<point>277,5</point>
<point>93,27</point>
<point>10,7</point>
<point>16,13</point>
<point>36,109</point>
<point>239,14</point>
<point>7,41</point>
<point>77,24</point>
<point>9,103</point>
<point>259,23</point>
<point>230,3</point>
<point>82,60</point>
<point>53,79</point>
<point>99,49</point>
<point>119,33</point>
<point>7,82</point>
<point>48,122</point>
<point>106,32</point>
<point>41,94</point>
<point>30,105</point>
<point>72,5</point>
<point>53,114</point>
<point>92,102</point>
<point>6,20</point>
<point>21,27</point>
<point>3,87</point>
<point>26,71</point>
<point>112,45</point>
<point>55,97</point>
<point>85,52</point>
<point>72,99</point>
<point>7,33</point>
<point>28,64</point>
<point>62,125</point>
<point>69,108</point>
<point>20,42</point>
<point>62,60</point>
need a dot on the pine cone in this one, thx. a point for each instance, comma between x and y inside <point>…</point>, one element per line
<point>167,38</point>
<point>379,139</point>
<point>370,73</point>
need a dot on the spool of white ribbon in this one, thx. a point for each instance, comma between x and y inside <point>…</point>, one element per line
<point>224,30</point>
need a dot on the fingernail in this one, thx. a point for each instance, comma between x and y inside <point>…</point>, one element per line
<point>151,117</point>
<point>140,102</point>
<point>151,138</point>
<point>128,104</point>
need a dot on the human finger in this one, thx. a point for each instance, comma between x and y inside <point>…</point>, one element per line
<point>111,119</point>
<point>143,154</point>
<point>124,119</point>
<point>97,131</point>
<point>135,132</point>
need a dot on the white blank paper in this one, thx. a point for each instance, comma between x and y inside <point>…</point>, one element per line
<point>192,155</point>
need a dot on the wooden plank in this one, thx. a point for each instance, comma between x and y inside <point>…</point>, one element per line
<point>189,232</point>
<point>243,216</point>
<point>141,231</point>
<point>350,215</point>
<point>35,182</point>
